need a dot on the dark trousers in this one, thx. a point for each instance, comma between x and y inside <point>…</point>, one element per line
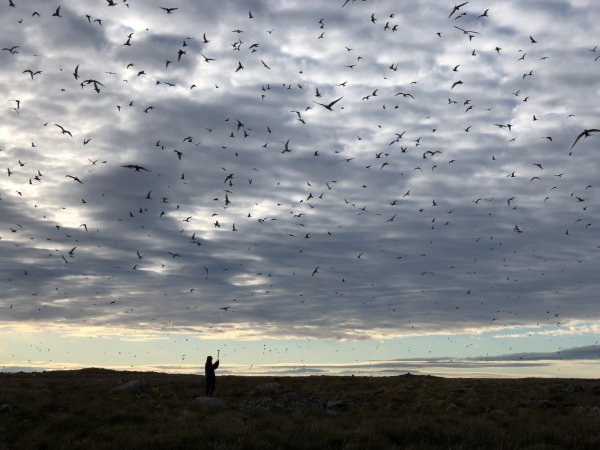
<point>210,387</point>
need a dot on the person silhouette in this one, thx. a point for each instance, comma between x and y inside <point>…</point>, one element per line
<point>209,375</point>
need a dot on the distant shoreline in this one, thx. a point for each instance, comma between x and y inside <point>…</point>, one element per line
<point>447,368</point>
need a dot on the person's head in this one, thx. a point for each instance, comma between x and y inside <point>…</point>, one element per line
<point>209,359</point>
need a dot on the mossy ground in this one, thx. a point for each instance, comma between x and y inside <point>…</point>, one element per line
<point>80,410</point>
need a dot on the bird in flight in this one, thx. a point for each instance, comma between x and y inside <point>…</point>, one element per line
<point>585,133</point>
<point>466,31</point>
<point>136,167</point>
<point>329,105</point>
<point>63,130</point>
<point>12,49</point>
<point>168,10</point>
<point>74,178</point>
<point>456,8</point>
<point>32,73</point>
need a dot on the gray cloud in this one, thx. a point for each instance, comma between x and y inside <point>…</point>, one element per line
<point>412,235</point>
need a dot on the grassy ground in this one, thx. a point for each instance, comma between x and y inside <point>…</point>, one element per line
<point>81,409</point>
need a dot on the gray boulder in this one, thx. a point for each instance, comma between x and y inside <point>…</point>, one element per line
<point>537,403</point>
<point>5,408</point>
<point>262,404</point>
<point>268,388</point>
<point>209,402</point>
<point>135,386</point>
<point>578,410</point>
<point>294,401</point>
<point>336,405</point>
<point>594,412</point>
<point>569,388</point>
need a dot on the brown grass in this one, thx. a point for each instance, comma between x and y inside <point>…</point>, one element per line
<point>79,410</point>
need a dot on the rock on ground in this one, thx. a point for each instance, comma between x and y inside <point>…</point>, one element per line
<point>209,402</point>
<point>537,403</point>
<point>293,401</point>
<point>5,408</point>
<point>336,405</point>
<point>263,404</point>
<point>135,386</point>
<point>268,387</point>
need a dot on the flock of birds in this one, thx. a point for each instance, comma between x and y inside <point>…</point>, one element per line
<point>341,212</point>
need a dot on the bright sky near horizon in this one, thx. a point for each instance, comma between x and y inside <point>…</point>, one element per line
<point>301,183</point>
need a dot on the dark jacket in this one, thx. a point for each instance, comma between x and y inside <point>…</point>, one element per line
<point>209,370</point>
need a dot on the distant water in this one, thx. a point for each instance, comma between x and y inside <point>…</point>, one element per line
<point>441,367</point>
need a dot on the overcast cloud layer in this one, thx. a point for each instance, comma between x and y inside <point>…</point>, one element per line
<point>439,194</point>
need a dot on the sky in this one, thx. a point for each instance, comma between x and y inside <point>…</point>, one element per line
<point>304,186</point>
